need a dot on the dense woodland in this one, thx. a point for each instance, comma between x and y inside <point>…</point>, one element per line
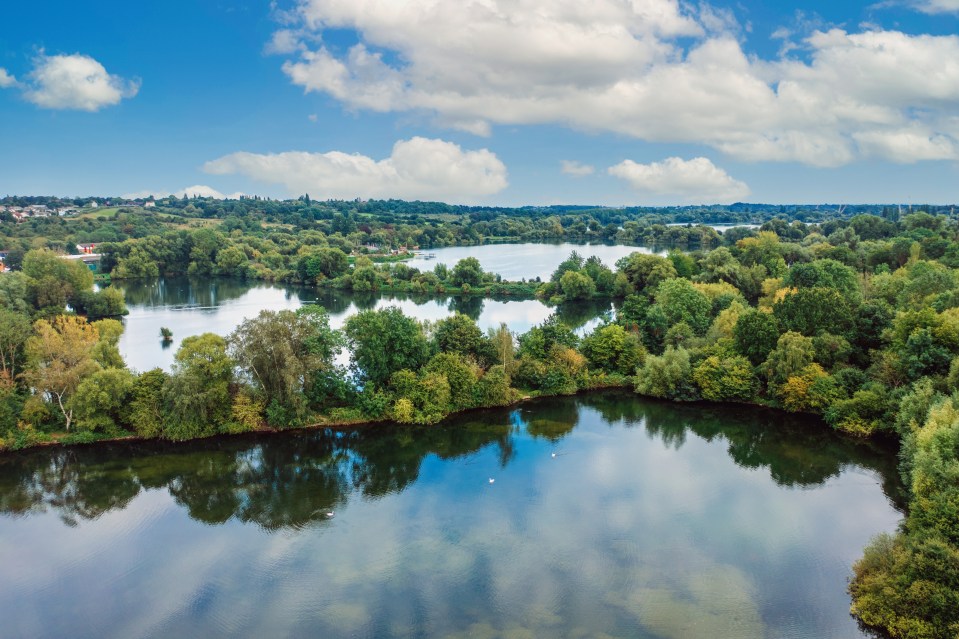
<point>855,319</point>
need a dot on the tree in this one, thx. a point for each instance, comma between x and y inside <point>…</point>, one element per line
<point>101,402</point>
<point>756,334</point>
<point>467,271</point>
<point>646,271</point>
<point>612,348</point>
<point>813,310</point>
<point>60,357</point>
<point>15,329</point>
<point>576,286</point>
<point>461,375</point>
<point>668,376</point>
<point>460,334</point>
<point>282,351</point>
<point>724,379</point>
<point>146,404</point>
<point>793,353</point>
<point>197,395</point>
<point>385,341</point>
<point>682,302</point>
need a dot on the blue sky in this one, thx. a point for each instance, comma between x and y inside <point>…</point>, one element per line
<point>484,101</point>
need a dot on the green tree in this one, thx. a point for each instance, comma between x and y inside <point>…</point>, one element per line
<point>612,348</point>
<point>15,329</point>
<point>813,310</point>
<point>793,353</point>
<point>669,376</point>
<point>467,271</point>
<point>680,301</point>
<point>197,394</point>
<point>60,357</point>
<point>385,341</point>
<point>576,286</point>
<point>725,379</point>
<point>281,352</point>
<point>101,401</point>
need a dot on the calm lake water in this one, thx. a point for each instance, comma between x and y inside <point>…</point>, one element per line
<point>194,306</point>
<point>608,516</point>
<point>524,261</point>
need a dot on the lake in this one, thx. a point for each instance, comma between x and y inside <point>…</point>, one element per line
<point>191,306</point>
<point>217,305</point>
<point>526,260</point>
<point>601,515</point>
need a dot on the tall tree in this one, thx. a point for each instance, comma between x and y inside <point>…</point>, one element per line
<point>60,357</point>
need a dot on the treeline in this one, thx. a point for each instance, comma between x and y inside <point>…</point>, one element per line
<point>272,232</point>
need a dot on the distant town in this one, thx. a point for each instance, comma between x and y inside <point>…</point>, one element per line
<point>20,213</point>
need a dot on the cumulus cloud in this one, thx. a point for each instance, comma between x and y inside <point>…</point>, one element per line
<point>696,180</point>
<point>6,80</point>
<point>656,70</point>
<point>937,6</point>
<point>197,190</point>
<point>418,168</point>
<point>576,169</point>
<point>75,82</point>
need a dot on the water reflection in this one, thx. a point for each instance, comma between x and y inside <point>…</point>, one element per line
<point>190,306</point>
<point>610,516</point>
<point>277,481</point>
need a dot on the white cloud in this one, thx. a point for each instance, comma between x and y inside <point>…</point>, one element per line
<point>696,180</point>
<point>198,190</point>
<point>75,82</point>
<point>6,80</point>
<point>284,41</point>
<point>650,69</point>
<point>576,169</point>
<point>937,6</point>
<point>418,168</point>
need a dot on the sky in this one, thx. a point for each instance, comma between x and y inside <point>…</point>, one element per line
<point>502,102</point>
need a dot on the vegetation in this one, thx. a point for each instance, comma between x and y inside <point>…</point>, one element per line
<point>853,319</point>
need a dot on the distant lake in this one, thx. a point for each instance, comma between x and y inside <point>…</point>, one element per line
<point>717,227</point>
<point>191,306</point>
<point>598,516</point>
<point>523,261</point>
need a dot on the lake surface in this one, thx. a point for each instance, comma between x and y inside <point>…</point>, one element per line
<point>217,305</point>
<point>524,261</point>
<point>608,516</point>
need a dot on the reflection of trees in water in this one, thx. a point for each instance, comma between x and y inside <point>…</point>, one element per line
<point>798,450</point>
<point>580,312</point>
<point>551,420</point>
<point>295,479</point>
<point>196,292</point>
<point>274,482</point>
<point>469,305</point>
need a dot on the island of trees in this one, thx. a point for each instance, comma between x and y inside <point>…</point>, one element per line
<point>855,319</point>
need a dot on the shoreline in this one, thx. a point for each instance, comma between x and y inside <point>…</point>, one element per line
<point>73,439</point>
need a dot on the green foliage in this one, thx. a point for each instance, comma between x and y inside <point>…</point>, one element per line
<point>102,401</point>
<point>281,352</point>
<point>385,341</point>
<point>726,379</point>
<point>668,376</point>
<point>793,353</point>
<point>810,311</point>
<point>196,395</point>
<point>146,405</point>
<point>680,301</point>
<point>539,340</point>
<point>460,334</point>
<point>613,349</point>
